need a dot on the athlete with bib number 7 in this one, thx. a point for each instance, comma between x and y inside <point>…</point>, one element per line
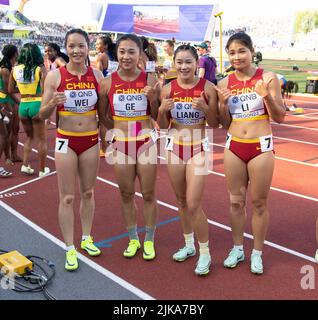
<point>187,105</point>
<point>131,96</point>
<point>249,98</point>
<point>72,90</point>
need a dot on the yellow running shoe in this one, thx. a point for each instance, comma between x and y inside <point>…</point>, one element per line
<point>132,248</point>
<point>88,245</point>
<point>71,263</point>
<point>149,250</point>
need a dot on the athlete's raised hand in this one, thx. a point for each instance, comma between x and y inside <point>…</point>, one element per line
<point>166,105</point>
<point>58,98</point>
<point>262,87</point>
<point>152,92</point>
<point>200,103</point>
<point>223,94</point>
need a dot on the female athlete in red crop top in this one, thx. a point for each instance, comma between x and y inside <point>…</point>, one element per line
<point>72,90</point>
<point>131,98</point>
<point>187,103</point>
<point>248,99</point>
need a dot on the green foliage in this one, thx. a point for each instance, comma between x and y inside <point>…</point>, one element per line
<point>306,21</point>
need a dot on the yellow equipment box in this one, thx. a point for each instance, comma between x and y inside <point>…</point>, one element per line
<point>14,261</point>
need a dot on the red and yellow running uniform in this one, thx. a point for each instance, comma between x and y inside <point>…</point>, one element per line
<point>184,114</point>
<point>246,105</point>
<point>81,94</point>
<point>129,103</point>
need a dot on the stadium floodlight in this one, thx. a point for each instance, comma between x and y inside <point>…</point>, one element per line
<point>219,15</point>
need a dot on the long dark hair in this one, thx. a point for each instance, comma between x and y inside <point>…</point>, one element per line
<point>107,41</point>
<point>149,48</point>
<point>59,53</point>
<point>8,52</point>
<point>31,57</point>
<point>81,32</point>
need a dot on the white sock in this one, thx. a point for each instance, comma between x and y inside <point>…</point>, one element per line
<point>189,240</point>
<point>85,237</point>
<point>257,252</point>
<point>68,248</point>
<point>204,248</point>
<point>240,247</point>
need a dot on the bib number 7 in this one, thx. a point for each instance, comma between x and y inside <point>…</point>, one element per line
<point>61,145</point>
<point>266,143</point>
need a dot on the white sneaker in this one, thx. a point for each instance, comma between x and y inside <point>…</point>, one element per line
<point>234,257</point>
<point>27,170</point>
<point>183,254</point>
<point>256,264</point>
<point>203,265</point>
<point>45,172</point>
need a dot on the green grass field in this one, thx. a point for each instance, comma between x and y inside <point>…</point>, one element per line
<point>306,69</point>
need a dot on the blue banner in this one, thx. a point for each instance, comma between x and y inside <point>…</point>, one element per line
<point>4,2</point>
<point>184,22</point>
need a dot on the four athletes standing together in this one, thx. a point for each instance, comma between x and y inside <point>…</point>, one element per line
<point>128,102</point>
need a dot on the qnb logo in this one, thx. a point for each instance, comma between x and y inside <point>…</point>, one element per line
<point>307,282</point>
<point>235,100</point>
<point>179,106</point>
<point>7,281</point>
<point>73,94</point>
<point>121,98</point>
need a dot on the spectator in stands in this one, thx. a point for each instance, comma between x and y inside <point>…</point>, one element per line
<point>207,64</point>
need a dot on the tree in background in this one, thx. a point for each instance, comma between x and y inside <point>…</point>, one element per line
<point>306,21</point>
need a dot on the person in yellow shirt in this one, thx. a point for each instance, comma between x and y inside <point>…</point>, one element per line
<point>27,78</point>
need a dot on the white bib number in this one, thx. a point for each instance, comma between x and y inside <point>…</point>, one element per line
<point>61,145</point>
<point>206,144</point>
<point>151,66</point>
<point>154,135</point>
<point>130,105</point>
<point>169,143</point>
<point>266,143</point>
<point>228,141</point>
<point>80,101</point>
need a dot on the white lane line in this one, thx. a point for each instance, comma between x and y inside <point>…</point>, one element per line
<point>279,158</point>
<point>298,195</point>
<point>302,101</point>
<point>224,227</point>
<point>36,151</point>
<point>298,141</point>
<point>293,126</point>
<point>126,285</point>
<point>26,183</point>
